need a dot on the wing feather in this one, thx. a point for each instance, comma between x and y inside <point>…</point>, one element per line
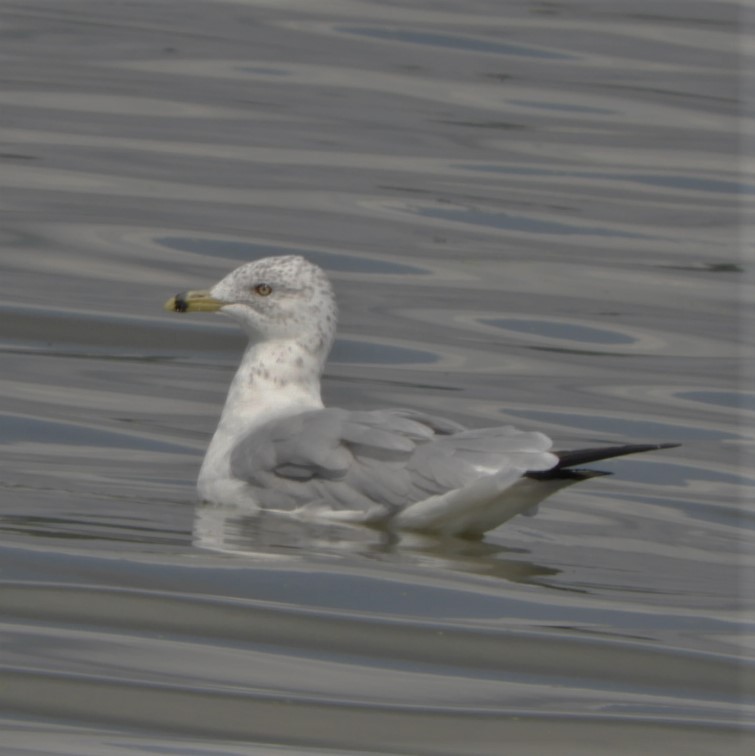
<point>388,458</point>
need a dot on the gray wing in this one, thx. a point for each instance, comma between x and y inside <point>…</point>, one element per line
<point>376,462</point>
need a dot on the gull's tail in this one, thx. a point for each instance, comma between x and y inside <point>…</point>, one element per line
<point>490,500</point>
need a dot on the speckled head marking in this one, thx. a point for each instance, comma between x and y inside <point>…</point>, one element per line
<point>280,298</point>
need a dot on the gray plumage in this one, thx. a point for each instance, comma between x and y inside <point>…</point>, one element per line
<point>377,461</point>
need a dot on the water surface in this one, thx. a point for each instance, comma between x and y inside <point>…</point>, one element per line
<point>530,213</point>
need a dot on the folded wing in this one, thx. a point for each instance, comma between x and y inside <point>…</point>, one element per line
<point>374,465</point>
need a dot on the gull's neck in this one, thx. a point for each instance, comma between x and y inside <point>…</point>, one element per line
<point>274,379</point>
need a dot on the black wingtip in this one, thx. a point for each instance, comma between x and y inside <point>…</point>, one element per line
<point>566,474</point>
<point>567,461</point>
<point>585,456</point>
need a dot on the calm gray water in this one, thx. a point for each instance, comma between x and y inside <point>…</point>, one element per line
<point>531,212</point>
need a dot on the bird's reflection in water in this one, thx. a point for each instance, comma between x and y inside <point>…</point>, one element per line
<point>273,536</point>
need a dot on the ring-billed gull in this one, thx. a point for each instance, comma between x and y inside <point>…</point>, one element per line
<point>277,447</point>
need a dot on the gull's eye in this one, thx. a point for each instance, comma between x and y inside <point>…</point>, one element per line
<point>263,289</point>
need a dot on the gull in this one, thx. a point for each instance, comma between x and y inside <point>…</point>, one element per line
<point>277,447</point>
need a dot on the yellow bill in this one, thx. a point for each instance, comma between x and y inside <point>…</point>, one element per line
<point>193,301</point>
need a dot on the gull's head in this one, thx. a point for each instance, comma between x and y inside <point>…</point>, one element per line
<point>273,298</point>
